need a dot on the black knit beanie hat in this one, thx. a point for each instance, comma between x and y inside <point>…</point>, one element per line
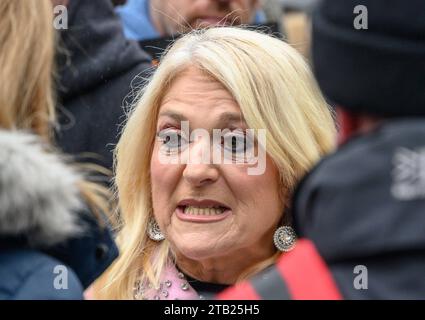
<point>378,70</point>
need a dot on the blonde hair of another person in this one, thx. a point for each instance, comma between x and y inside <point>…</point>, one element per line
<point>27,99</point>
<point>274,88</point>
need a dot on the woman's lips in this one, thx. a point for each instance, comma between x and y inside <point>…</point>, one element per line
<point>201,217</point>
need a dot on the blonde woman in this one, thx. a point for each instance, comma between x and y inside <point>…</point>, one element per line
<point>191,225</point>
<point>50,222</point>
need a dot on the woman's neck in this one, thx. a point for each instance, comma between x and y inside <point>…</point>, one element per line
<point>226,269</point>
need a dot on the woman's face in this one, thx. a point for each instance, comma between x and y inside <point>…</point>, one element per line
<point>209,210</point>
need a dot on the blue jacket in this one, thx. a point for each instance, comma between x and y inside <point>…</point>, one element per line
<point>28,274</point>
<point>51,246</point>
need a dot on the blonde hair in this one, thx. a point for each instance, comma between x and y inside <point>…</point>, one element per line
<point>275,90</point>
<point>27,99</point>
<point>26,60</point>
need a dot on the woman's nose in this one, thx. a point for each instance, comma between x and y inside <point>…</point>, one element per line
<point>200,169</point>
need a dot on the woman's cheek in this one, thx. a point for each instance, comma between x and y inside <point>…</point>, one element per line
<point>164,180</point>
<point>160,173</point>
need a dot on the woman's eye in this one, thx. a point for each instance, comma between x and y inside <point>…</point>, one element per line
<point>236,143</point>
<point>172,139</point>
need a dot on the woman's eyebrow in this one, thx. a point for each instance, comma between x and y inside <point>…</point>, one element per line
<point>231,117</point>
<point>223,120</point>
<point>174,115</point>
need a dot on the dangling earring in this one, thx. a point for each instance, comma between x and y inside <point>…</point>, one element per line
<point>154,232</point>
<point>285,238</point>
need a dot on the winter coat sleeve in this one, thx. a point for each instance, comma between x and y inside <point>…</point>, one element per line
<point>49,280</point>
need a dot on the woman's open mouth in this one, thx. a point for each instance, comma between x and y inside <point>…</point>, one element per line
<point>202,211</point>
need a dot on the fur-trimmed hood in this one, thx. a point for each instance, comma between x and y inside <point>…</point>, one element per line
<point>39,196</point>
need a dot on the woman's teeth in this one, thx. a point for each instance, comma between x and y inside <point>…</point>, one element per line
<point>203,211</point>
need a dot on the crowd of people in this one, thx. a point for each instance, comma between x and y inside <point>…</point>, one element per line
<point>220,165</point>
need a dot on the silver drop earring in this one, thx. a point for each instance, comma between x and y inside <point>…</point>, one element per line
<point>154,232</point>
<point>284,238</point>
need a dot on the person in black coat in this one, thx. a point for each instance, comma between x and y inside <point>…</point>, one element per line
<point>360,211</point>
<point>98,71</point>
<point>51,245</point>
